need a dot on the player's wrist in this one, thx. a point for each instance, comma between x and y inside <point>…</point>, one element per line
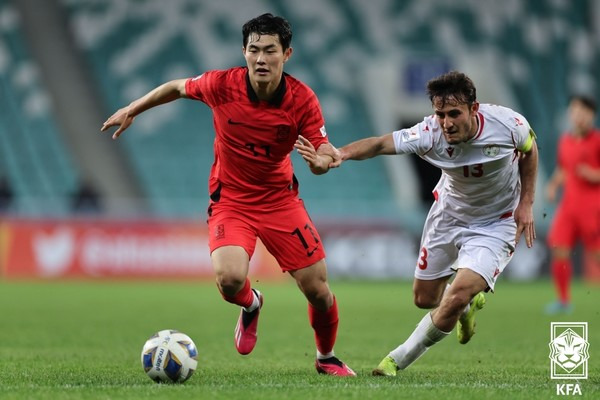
<point>526,201</point>
<point>319,169</point>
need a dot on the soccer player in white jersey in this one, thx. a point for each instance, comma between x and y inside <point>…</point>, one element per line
<point>484,199</point>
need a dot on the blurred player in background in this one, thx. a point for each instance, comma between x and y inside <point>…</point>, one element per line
<point>578,214</point>
<point>259,113</point>
<point>484,199</point>
<point>6,195</point>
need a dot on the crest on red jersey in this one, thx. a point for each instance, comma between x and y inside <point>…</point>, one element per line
<point>283,133</point>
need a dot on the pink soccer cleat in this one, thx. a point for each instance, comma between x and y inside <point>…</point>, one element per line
<point>333,366</point>
<point>245,330</point>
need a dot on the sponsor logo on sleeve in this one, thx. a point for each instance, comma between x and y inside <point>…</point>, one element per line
<point>323,131</point>
<point>410,135</point>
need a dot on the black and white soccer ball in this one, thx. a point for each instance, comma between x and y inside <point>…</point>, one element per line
<point>169,356</point>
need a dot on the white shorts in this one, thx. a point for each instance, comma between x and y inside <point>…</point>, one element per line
<point>447,245</point>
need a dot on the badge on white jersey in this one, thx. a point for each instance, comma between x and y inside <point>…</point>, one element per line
<point>410,135</point>
<point>491,150</point>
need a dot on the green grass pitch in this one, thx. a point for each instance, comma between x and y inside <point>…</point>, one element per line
<point>82,340</point>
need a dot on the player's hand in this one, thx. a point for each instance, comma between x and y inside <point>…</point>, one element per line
<point>551,192</point>
<point>525,225</point>
<point>306,150</point>
<point>335,154</point>
<point>330,150</point>
<point>588,173</point>
<point>317,160</point>
<point>121,118</point>
<point>338,159</point>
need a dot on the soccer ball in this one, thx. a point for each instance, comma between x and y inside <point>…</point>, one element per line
<point>169,356</point>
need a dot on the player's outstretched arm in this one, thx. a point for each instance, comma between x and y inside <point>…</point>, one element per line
<point>164,93</point>
<point>366,148</point>
<point>528,163</point>
<point>556,181</point>
<point>590,174</point>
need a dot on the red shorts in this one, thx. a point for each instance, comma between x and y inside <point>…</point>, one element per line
<point>287,233</point>
<point>575,223</point>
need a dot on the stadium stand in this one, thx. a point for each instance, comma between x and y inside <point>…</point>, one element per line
<point>171,148</point>
<point>542,51</point>
<point>33,157</point>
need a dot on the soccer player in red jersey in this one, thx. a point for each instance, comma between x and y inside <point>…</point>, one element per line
<point>259,114</point>
<point>578,214</point>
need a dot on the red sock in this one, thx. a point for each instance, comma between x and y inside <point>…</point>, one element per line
<point>561,272</point>
<point>242,298</point>
<point>325,324</point>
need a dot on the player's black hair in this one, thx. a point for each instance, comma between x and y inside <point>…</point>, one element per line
<point>268,24</point>
<point>587,101</point>
<point>452,86</point>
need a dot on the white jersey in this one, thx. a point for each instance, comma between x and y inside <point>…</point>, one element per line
<point>480,178</point>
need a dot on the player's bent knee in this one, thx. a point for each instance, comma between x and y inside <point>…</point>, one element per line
<point>425,301</point>
<point>230,284</point>
<point>321,297</point>
<point>318,295</point>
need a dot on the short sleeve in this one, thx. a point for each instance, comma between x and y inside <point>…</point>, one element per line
<point>312,123</point>
<point>201,87</point>
<point>523,135</point>
<point>417,139</point>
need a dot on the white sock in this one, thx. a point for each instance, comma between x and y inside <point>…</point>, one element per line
<point>467,308</point>
<point>324,356</point>
<point>255,303</point>
<point>425,335</point>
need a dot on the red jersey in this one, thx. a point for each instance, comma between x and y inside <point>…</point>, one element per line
<point>254,138</point>
<point>573,151</point>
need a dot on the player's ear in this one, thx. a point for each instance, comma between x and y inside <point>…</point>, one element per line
<point>287,54</point>
<point>475,107</point>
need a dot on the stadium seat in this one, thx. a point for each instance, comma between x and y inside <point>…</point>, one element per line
<point>171,148</point>
<point>133,46</point>
<point>33,157</point>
